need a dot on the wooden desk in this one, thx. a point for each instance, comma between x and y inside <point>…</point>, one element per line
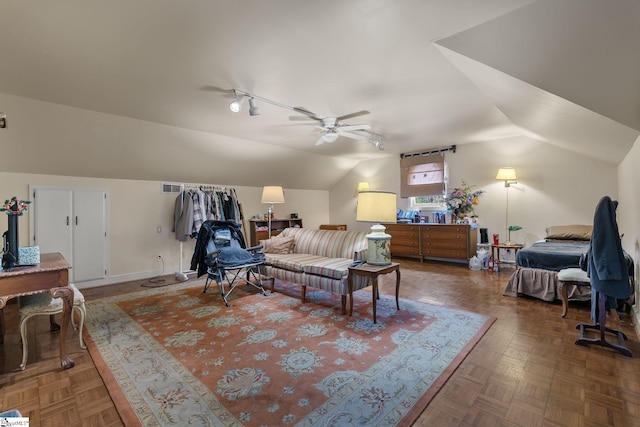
<point>373,271</point>
<point>52,275</point>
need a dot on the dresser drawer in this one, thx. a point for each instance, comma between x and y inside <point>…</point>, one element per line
<point>411,233</point>
<point>438,237</point>
<point>397,241</point>
<point>448,230</point>
<point>444,244</point>
<point>404,250</point>
<point>445,253</point>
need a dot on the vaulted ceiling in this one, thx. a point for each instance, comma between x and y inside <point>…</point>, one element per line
<point>431,73</point>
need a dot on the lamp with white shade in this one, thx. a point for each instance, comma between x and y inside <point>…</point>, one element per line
<point>508,175</point>
<point>377,207</point>
<point>272,194</point>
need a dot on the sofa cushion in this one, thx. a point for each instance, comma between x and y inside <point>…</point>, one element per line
<point>292,262</point>
<point>327,243</point>
<point>336,268</point>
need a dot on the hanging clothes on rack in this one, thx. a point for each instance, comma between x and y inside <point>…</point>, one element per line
<point>183,216</point>
<point>197,204</point>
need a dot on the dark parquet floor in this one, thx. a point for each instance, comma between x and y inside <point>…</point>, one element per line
<point>526,370</point>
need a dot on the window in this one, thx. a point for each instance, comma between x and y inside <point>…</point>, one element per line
<point>422,175</point>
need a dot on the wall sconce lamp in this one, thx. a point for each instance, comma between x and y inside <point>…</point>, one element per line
<point>3,120</point>
<point>508,175</point>
<point>363,186</point>
<point>377,207</point>
<point>271,195</point>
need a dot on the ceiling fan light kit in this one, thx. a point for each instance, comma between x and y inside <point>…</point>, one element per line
<point>331,126</point>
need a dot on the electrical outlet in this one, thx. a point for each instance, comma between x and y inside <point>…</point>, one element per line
<point>159,257</point>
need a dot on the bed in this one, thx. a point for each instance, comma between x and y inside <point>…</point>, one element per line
<point>538,265</point>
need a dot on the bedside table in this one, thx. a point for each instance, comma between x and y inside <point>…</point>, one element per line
<point>495,252</point>
<point>373,271</point>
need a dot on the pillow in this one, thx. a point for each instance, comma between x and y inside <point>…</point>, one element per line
<point>278,245</point>
<point>569,232</point>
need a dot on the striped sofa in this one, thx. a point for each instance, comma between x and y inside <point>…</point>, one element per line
<point>320,259</point>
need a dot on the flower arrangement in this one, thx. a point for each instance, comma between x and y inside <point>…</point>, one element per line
<point>15,206</point>
<point>462,200</point>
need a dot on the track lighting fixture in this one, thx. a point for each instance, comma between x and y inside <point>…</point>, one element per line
<point>237,103</point>
<point>253,109</point>
<point>377,141</point>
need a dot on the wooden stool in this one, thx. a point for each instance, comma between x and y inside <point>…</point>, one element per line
<point>568,277</point>
<point>44,304</point>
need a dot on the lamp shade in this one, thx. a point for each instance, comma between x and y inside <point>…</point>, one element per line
<point>272,194</point>
<point>506,174</point>
<point>376,206</point>
<point>363,186</point>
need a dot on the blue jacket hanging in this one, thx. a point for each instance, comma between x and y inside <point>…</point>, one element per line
<point>607,267</point>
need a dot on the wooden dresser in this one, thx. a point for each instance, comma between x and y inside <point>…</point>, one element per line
<point>454,242</point>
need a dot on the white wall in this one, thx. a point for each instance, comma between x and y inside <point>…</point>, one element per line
<point>137,208</point>
<point>629,214</point>
<point>555,186</point>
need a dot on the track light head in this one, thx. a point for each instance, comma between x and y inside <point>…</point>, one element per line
<point>237,103</point>
<point>377,142</point>
<point>253,109</point>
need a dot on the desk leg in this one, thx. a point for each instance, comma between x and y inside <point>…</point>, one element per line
<point>375,296</point>
<point>66,294</point>
<point>398,288</point>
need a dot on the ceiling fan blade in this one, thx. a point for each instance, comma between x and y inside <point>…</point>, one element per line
<point>320,141</point>
<point>300,118</point>
<point>352,115</point>
<point>350,135</point>
<point>355,127</point>
<point>307,113</point>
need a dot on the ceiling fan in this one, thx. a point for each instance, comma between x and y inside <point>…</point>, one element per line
<point>332,127</point>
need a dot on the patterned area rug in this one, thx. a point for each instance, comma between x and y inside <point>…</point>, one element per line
<point>174,356</point>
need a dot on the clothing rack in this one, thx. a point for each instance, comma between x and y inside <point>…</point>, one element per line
<point>181,274</point>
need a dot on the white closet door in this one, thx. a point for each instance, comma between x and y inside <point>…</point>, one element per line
<point>89,234</point>
<point>73,221</point>
<point>52,222</point>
